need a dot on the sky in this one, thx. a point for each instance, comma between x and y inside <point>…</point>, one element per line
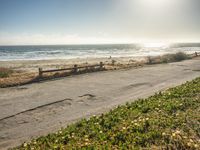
<point>40,22</point>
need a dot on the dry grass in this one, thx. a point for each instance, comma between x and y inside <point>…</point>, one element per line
<point>18,78</point>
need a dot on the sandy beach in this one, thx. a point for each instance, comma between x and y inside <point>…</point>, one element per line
<point>36,109</point>
<point>27,71</point>
<point>33,65</point>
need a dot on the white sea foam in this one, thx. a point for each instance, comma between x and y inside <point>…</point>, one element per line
<point>84,51</point>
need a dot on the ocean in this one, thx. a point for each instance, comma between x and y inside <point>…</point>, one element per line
<point>44,52</point>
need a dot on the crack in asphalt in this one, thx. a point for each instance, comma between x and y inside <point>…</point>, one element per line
<point>32,109</point>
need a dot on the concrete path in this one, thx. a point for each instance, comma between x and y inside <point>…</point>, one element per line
<point>37,109</point>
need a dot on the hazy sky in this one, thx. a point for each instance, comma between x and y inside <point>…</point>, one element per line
<point>98,21</point>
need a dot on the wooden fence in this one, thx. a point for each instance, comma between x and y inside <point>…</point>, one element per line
<point>89,68</point>
<point>75,69</point>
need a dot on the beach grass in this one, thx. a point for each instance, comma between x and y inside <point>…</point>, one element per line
<point>167,120</point>
<point>5,72</point>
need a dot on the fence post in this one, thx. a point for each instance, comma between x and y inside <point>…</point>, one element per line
<point>75,70</point>
<point>149,60</point>
<point>101,65</point>
<point>40,72</point>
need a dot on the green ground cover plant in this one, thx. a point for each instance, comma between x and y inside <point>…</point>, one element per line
<point>167,120</point>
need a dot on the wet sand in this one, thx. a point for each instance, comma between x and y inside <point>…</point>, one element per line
<point>37,109</point>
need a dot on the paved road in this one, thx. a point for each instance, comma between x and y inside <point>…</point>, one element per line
<point>37,109</point>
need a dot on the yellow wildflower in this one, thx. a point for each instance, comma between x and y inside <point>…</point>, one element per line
<point>124,128</point>
<point>189,144</point>
<point>173,134</point>
<point>25,144</point>
<point>163,133</point>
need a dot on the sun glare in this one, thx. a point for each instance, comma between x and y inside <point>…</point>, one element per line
<point>154,45</point>
<point>156,4</point>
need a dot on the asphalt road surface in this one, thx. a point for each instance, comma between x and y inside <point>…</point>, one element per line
<point>36,109</point>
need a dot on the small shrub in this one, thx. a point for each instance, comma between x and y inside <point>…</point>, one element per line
<point>164,60</point>
<point>174,57</point>
<point>180,56</point>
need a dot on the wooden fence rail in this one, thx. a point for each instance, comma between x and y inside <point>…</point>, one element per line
<point>73,70</point>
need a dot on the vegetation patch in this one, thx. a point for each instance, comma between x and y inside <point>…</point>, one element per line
<point>167,58</point>
<point>167,120</point>
<point>5,72</point>
<point>174,57</point>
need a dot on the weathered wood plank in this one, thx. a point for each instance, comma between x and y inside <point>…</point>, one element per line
<point>72,69</point>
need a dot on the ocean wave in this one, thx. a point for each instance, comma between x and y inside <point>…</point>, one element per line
<point>74,51</point>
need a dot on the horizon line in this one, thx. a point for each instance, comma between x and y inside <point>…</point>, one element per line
<point>139,43</point>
